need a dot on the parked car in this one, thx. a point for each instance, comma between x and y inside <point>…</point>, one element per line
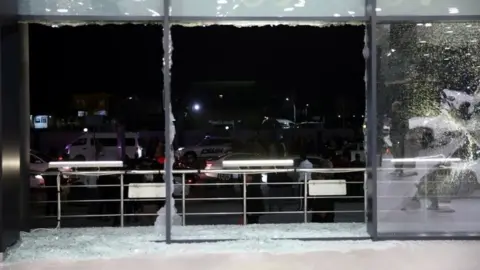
<point>208,147</point>
<point>86,146</point>
<point>217,164</point>
<point>38,165</point>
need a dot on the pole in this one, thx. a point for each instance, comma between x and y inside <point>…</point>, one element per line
<point>122,201</point>
<point>294,112</point>
<point>305,198</point>
<point>167,109</point>
<point>25,126</point>
<point>183,200</point>
<point>244,194</point>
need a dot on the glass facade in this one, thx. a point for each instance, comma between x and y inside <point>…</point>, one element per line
<point>126,9</point>
<point>428,7</point>
<point>268,8</point>
<point>423,100</point>
<point>428,94</point>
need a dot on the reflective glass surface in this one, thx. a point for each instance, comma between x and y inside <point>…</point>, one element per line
<point>427,7</point>
<point>124,8</point>
<point>429,104</point>
<point>268,8</point>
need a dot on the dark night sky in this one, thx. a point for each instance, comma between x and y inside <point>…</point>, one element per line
<point>318,64</point>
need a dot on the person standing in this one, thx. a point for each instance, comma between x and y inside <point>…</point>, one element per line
<point>324,206</point>
<point>255,203</point>
<point>303,177</point>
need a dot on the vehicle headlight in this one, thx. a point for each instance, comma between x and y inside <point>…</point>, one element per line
<point>40,180</point>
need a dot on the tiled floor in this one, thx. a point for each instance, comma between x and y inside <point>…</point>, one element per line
<point>358,256</point>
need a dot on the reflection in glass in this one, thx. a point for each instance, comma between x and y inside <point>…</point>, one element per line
<point>429,98</point>
<point>428,7</point>
<point>268,8</point>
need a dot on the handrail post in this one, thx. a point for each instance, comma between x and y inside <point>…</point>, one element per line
<point>183,199</point>
<point>305,201</point>
<point>244,199</point>
<point>59,201</point>
<point>365,197</point>
<point>122,203</point>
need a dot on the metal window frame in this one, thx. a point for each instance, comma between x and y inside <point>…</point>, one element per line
<point>371,20</point>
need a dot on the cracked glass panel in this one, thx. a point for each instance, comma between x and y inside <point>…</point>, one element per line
<point>122,8</point>
<point>429,103</point>
<point>428,7</point>
<point>268,8</point>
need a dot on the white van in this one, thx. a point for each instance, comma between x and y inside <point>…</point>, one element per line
<point>84,147</point>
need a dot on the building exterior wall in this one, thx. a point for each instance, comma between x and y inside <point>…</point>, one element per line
<point>391,28</point>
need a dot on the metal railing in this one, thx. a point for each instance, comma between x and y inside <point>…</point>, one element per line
<point>243,184</point>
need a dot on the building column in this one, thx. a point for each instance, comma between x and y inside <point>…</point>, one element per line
<point>14,128</point>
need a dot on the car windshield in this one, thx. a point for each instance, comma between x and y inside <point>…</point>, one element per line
<point>42,156</point>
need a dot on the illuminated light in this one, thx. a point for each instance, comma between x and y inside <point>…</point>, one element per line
<point>424,160</point>
<point>227,127</point>
<point>419,24</point>
<point>161,160</point>
<point>351,12</point>
<point>336,15</point>
<point>40,180</point>
<point>153,12</point>
<point>289,9</point>
<point>257,163</point>
<point>378,9</point>
<point>85,164</point>
<point>301,3</point>
<point>196,107</point>
<point>428,25</point>
<point>85,130</point>
<point>453,10</point>
<point>62,10</point>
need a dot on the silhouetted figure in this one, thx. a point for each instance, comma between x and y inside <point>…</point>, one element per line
<point>324,205</point>
<point>256,204</point>
<point>51,208</point>
<point>358,177</point>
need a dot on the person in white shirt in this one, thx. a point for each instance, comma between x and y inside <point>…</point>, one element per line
<point>304,164</point>
<point>303,177</point>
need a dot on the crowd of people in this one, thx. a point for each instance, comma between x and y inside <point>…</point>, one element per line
<point>323,208</point>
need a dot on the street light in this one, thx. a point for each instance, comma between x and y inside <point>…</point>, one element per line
<point>196,107</point>
<point>294,110</point>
